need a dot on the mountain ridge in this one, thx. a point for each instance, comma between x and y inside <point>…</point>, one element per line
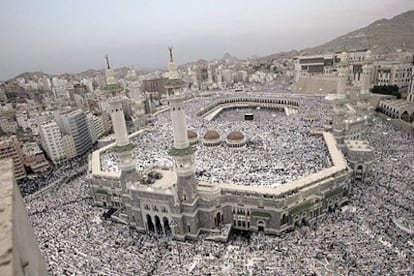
<point>381,36</point>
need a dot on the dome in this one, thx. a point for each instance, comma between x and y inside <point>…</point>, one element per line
<point>235,139</point>
<point>211,135</point>
<point>235,135</point>
<point>191,134</point>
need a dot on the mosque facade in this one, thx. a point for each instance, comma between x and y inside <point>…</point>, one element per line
<point>171,200</point>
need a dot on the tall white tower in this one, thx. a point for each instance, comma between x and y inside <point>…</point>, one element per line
<point>123,148</point>
<point>364,96</point>
<point>194,79</point>
<point>340,100</point>
<point>131,75</point>
<point>366,73</point>
<point>339,120</point>
<point>343,68</point>
<point>181,152</point>
<point>118,122</point>
<point>209,74</point>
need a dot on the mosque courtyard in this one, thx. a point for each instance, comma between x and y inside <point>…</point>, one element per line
<point>279,148</point>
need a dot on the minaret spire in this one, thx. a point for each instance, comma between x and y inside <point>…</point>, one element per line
<point>364,95</point>
<point>107,62</point>
<point>172,66</point>
<point>170,48</point>
<point>109,74</point>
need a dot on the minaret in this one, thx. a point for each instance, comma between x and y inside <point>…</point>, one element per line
<point>340,100</point>
<point>194,80</point>
<point>123,148</point>
<point>118,122</point>
<point>109,74</point>
<point>364,96</point>
<point>343,67</point>
<point>209,74</point>
<point>366,73</point>
<point>339,120</point>
<point>181,152</point>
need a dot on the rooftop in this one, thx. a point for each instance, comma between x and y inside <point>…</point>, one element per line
<point>358,145</point>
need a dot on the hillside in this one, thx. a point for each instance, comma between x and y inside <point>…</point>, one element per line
<point>384,35</point>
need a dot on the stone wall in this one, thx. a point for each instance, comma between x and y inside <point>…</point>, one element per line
<point>19,251</point>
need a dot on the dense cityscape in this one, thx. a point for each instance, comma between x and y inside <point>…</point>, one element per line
<point>300,163</point>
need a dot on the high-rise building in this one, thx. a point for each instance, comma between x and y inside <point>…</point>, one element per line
<point>69,146</point>
<point>8,125</point>
<point>22,118</point>
<point>227,76</point>
<point>51,140</point>
<point>106,122</point>
<point>10,149</point>
<point>75,123</point>
<point>154,85</point>
<point>95,127</point>
<point>394,69</point>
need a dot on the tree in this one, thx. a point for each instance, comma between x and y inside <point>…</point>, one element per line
<point>392,90</point>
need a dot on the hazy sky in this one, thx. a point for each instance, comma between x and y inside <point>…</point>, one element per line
<point>57,36</point>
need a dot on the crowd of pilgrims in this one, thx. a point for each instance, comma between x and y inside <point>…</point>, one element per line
<point>279,148</point>
<point>361,238</point>
<point>59,173</point>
